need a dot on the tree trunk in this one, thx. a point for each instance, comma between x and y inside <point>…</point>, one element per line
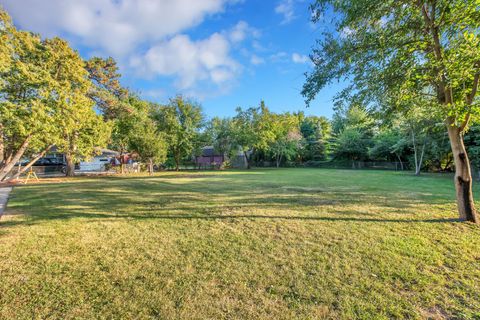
<point>122,164</point>
<point>30,164</point>
<point>463,176</point>
<point>247,159</point>
<point>150,166</point>
<point>418,166</point>
<point>2,146</point>
<point>11,161</point>
<point>177,162</point>
<point>401,163</point>
<point>70,170</point>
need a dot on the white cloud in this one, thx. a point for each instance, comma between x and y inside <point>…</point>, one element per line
<point>279,57</point>
<point>115,27</point>
<point>241,31</point>
<point>256,60</point>
<point>300,58</point>
<point>189,61</point>
<point>146,36</point>
<point>286,8</point>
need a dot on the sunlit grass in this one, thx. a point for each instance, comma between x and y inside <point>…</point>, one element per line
<point>272,244</point>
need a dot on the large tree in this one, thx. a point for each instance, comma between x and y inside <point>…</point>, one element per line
<point>286,137</point>
<point>181,121</point>
<point>106,91</point>
<point>148,143</point>
<point>316,132</point>
<point>27,114</point>
<point>81,129</point>
<point>407,49</point>
<point>252,130</point>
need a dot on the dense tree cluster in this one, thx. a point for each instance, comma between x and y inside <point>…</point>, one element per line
<point>353,138</point>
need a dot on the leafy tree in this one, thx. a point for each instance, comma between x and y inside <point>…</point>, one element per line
<point>408,50</point>
<point>27,116</point>
<point>252,130</point>
<point>351,144</point>
<point>181,121</point>
<point>388,145</point>
<point>81,129</point>
<point>220,135</point>
<point>125,125</point>
<point>149,143</point>
<point>106,91</point>
<point>316,135</point>
<point>354,130</point>
<point>286,137</point>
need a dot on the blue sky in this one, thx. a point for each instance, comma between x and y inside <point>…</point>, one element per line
<point>223,53</point>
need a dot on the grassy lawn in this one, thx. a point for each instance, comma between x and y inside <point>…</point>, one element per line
<point>264,244</point>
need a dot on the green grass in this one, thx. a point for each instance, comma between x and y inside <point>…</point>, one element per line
<point>263,244</point>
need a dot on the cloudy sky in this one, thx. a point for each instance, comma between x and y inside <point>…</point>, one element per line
<point>223,53</point>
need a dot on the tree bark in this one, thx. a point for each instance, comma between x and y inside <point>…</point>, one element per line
<point>418,166</point>
<point>30,164</point>
<point>2,146</point>
<point>463,176</point>
<point>177,162</point>
<point>401,163</point>
<point>70,170</point>
<point>150,166</point>
<point>247,159</point>
<point>10,163</point>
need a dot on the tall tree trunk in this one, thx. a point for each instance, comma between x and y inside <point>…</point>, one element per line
<point>247,159</point>
<point>177,161</point>
<point>150,166</point>
<point>30,164</point>
<point>2,146</point>
<point>418,162</point>
<point>418,166</point>
<point>463,176</point>
<point>70,170</point>
<point>10,163</point>
<point>122,164</point>
<point>400,159</point>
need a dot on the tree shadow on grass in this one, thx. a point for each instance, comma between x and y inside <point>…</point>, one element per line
<point>95,217</point>
<point>142,198</point>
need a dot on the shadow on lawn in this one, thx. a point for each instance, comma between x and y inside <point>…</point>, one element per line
<point>220,197</point>
<point>34,219</point>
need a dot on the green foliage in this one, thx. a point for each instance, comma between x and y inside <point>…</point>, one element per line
<point>81,129</point>
<point>43,99</point>
<point>148,142</point>
<point>109,96</point>
<point>252,129</point>
<point>286,137</point>
<point>435,44</point>
<point>181,121</point>
<point>353,129</point>
<point>220,133</point>
<point>316,132</point>
<point>388,145</point>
